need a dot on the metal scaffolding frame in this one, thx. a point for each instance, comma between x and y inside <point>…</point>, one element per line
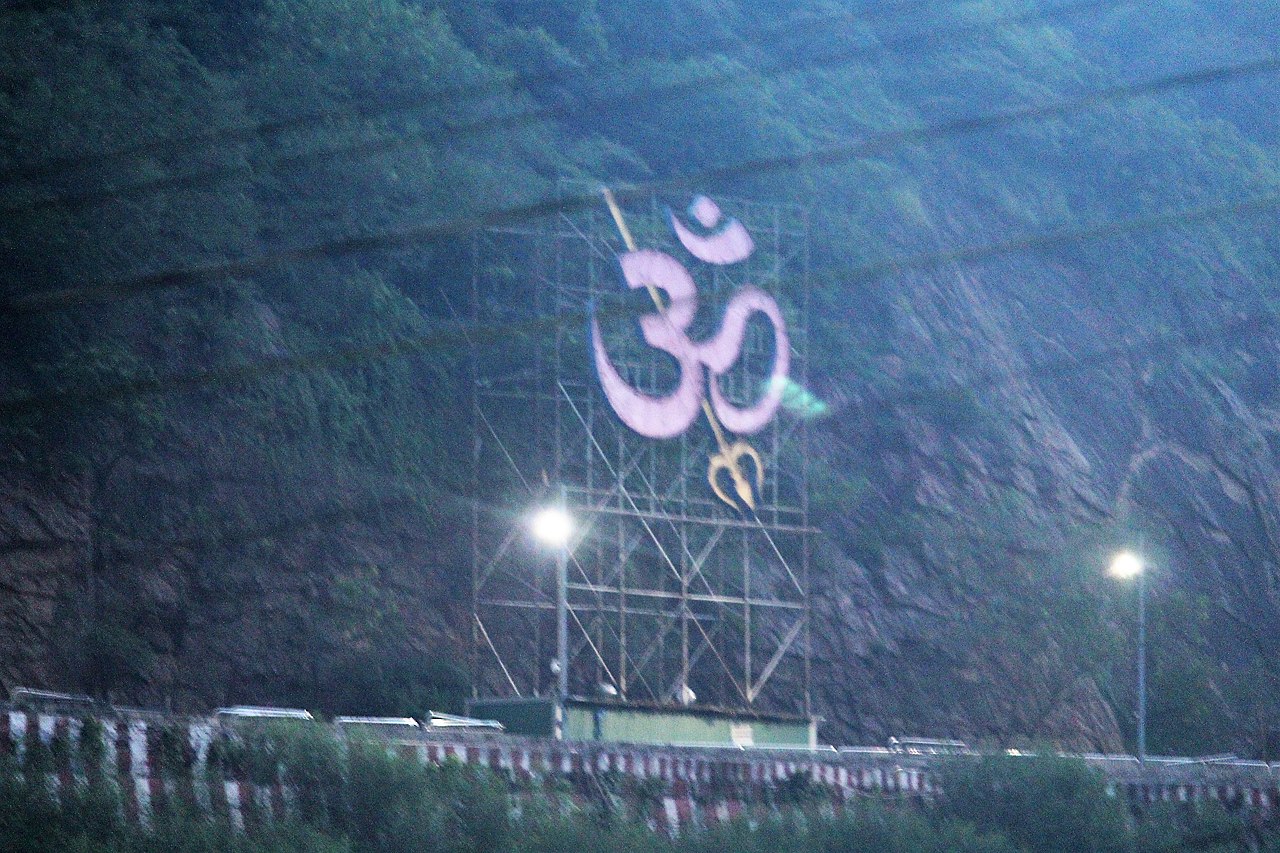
<point>671,593</point>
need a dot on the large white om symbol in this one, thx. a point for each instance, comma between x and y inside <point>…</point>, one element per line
<point>666,330</point>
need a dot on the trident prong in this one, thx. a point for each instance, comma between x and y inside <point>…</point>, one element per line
<point>730,459</point>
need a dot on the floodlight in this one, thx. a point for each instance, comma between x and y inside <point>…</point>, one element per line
<point>553,526</point>
<point>1126,564</point>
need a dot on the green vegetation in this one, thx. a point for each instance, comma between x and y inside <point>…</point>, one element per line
<point>1043,804</point>
<point>269,460</point>
<point>1056,805</point>
<point>358,798</point>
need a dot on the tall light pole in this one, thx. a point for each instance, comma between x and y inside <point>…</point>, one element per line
<point>554,526</point>
<point>1127,565</point>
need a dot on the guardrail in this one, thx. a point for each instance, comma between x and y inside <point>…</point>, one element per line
<point>141,747</point>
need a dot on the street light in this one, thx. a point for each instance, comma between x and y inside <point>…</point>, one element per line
<point>1124,566</point>
<point>554,526</point>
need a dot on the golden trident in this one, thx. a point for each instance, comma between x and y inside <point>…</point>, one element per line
<point>729,458</point>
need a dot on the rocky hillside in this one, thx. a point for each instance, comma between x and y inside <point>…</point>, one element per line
<point>1046,269</point>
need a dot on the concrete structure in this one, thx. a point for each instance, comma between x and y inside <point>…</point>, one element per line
<point>637,723</point>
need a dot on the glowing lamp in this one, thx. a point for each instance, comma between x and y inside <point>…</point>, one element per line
<point>553,526</point>
<point>1126,565</point>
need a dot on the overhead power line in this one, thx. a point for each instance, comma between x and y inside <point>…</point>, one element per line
<point>462,335</point>
<point>363,510</point>
<point>361,108</point>
<point>916,42</point>
<point>1062,236</point>
<point>353,106</point>
<point>415,234</point>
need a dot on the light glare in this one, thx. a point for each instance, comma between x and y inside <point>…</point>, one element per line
<point>553,526</point>
<point>1126,564</point>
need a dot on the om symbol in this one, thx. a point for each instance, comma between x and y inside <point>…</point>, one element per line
<point>666,330</point>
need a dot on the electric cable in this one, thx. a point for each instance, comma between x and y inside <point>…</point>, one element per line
<point>415,234</point>
<point>460,335</point>
<point>791,28</point>
<point>1151,345</point>
<point>408,141</point>
<point>363,109</point>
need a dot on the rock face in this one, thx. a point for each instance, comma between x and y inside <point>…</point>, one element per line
<point>238,477</point>
<point>44,555</point>
<point>968,511</point>
<point>979,486</point>
<point>1049,436</point>
<point>965,504</point>
<point>188,581</point>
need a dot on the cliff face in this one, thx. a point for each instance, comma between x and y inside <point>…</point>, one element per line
<point>979,498</point>
<point>45,551</point>
<point>231,431</point>
<point>315,599</point>
<point>960,580</point>
<point>965,593</point>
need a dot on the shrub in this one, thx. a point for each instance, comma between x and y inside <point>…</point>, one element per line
<point>1045,805</point>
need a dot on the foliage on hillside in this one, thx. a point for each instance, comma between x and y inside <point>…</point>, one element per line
<point>223,425</point>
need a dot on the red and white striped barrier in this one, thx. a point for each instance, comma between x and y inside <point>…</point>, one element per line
<point>144,750</point>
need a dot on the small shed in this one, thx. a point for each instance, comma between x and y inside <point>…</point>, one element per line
<point>616,721</point>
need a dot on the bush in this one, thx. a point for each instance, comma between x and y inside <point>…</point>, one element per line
<point>356,797</point>
<point>863,828</point>
<point>88,818</point>
<point>305,756</point>
<point>560,834</point>
<point>1045,805</point>
<point>1179,828</point>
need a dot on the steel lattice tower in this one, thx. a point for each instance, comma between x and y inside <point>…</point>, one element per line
<point>668,587</point>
